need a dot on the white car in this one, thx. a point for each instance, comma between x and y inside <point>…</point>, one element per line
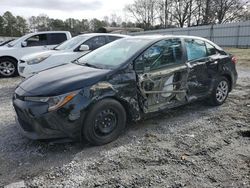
<point>64,53</point>
<point>30,43</point>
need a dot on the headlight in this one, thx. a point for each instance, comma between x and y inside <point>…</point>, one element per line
<point>37,60</point>
<point>54,102</point>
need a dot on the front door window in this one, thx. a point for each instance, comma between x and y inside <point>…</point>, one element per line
<point>162,75</point>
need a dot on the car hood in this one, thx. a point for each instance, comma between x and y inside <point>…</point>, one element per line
<point>39,54</point>
<point>6,48</point>
<point>62,79</point>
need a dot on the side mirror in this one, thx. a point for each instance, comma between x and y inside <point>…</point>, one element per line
<point>24,44</point>
<point>84,48</point>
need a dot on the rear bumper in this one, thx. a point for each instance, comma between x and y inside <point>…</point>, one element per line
<point>234,79</point>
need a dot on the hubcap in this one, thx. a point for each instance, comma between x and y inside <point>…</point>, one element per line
<point>7,68</point>
<point>105,122</point>
<point>221,91</point>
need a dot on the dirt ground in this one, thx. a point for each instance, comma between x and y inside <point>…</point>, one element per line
<point>192,146</point>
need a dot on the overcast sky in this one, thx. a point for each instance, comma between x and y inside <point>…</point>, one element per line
<point>65,8</point>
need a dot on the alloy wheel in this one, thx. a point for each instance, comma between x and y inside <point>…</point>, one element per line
<point>7,68</point>
<point>222,91</point>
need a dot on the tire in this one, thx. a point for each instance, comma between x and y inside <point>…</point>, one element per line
<point>220,92</point>
<point>8,67</point>
<point>104,123</point>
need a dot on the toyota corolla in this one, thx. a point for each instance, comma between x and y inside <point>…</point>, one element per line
<point>122,81</point>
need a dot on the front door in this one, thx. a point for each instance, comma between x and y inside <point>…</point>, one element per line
<point>162,75</point>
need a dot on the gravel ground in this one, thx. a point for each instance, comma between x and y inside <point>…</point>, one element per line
<point>192,146</point>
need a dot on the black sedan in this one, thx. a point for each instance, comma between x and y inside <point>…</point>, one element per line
<point>94,97</point>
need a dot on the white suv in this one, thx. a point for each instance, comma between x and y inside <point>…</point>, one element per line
<point>64,53</point>
<point>30,43</point>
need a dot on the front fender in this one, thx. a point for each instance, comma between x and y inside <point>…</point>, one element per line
<point>105,89</point>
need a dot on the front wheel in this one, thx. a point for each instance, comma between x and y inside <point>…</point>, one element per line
<point>105,122</point>
<point>8,67</point>
<point>220,92</point>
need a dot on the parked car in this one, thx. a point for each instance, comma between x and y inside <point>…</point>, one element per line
<point>121,81</point>
<point>30,43</point>
<point>64,53</point>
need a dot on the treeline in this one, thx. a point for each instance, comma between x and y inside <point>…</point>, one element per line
<point>146,14</point>
<point>153,14</point>
<point>16,26</point>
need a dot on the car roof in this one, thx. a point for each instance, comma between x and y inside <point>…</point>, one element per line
<point>102,34</point>
<point>160,37</point>
<point>41,32</point>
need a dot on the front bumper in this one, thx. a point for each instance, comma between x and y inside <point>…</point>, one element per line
<point>36,123</point>
<point>37,132</point>
<point>24,70</point>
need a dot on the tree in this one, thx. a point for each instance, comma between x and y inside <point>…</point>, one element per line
<point>165,13</point>
<point>32,23</point>
<point>96,24</point>
<point>182,11</point>
<point>228,10</point>
<point>21,26</point>
<point>144,11</point>
<point>43,22</point>
<point>56,24</point>
<point>9,24</point>
<point>1,25</point>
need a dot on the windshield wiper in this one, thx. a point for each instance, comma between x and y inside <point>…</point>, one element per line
<point>90,65</point>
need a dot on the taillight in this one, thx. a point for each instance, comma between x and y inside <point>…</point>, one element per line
<point>234,59</point>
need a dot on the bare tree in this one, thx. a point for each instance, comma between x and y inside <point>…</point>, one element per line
<point>228,10</point>
<point>165,13</point>
<point>144,12</point>
<point>182,11</point>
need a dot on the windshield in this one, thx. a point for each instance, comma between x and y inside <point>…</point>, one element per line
<point>71,43</point>
<point>113,54</point>
<point>13,42</point>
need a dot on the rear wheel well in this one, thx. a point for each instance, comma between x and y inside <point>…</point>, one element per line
<point>228,77</point>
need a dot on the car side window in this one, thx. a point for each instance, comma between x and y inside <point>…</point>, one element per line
<point>196,49</point>
<point>56,38</point>
<point>211,50</point>
<point>37,40</point>
<point>112,38</point>
<point>161,54</point>
<point>96,42</point>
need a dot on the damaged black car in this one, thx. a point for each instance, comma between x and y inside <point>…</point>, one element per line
<point>128,79</point>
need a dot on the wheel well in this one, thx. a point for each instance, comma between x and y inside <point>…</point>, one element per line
<point>229,78</point>
<point>125,106</point>
<point>9,57</point>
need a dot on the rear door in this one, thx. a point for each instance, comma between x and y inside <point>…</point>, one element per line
<point>197,59</point>
<point>162,75</point>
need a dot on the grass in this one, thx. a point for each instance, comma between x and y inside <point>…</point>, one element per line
<point>242,55</point>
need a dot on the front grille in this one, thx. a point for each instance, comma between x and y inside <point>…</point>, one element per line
<point>25,125</point>
<point>21,69</point>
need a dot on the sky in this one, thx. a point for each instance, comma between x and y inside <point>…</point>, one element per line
<point>63,9</point>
